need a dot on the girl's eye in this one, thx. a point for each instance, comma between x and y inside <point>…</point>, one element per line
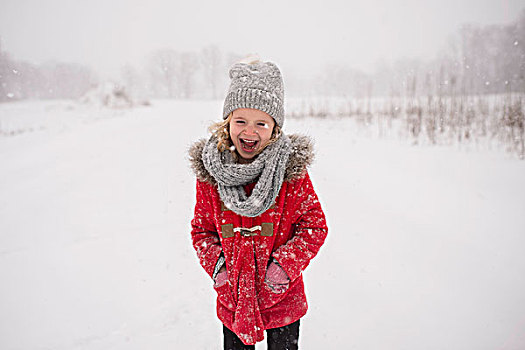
<point>240,121</point>
<point>264,125</point>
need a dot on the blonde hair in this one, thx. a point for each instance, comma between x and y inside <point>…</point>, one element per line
<point>222,132</point>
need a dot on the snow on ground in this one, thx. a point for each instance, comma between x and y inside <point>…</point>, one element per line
<point>425,248</point>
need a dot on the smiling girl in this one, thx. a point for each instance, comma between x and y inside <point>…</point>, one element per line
<point>250,131</point>
<point>257,221</point>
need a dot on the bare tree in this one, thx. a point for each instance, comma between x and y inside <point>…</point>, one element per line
<point>163,65</point>
<point>185,70</point>
<point>211,59</point>
<point>5,74</point>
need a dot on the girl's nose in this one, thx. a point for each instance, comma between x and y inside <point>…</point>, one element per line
<point>250,130</point>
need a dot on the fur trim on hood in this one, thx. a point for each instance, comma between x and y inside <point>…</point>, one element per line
<point>301,157</point>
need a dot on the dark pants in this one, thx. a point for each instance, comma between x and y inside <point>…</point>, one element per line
<point>283,338</point>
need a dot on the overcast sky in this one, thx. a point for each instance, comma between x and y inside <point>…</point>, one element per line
<point>298,35</point>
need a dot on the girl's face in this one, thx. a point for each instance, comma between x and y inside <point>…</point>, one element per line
<point>250,131</point>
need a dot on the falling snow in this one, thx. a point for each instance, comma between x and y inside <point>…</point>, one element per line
<point>393,210</point>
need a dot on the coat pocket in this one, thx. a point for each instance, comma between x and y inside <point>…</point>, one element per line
<point>224,296</point>
<point>268,298</point>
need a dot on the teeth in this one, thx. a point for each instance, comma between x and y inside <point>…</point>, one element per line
<point>248,145</point>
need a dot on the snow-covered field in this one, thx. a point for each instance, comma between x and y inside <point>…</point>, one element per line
<point>426,248</point>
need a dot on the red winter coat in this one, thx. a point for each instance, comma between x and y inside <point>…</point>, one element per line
<point>291,232</point>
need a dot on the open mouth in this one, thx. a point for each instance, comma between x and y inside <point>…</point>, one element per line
<point>249,145</point>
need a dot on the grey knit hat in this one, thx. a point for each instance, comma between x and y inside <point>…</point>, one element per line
<point>256,85</point>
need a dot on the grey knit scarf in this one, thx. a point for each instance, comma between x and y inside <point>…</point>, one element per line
<point>268,169</point>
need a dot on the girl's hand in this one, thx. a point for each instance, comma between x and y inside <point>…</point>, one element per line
<point>276,278</point>
<point>221,278</point>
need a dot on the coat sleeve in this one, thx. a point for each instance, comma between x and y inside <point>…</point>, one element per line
<point>309,234</point>
<point>204,235</point>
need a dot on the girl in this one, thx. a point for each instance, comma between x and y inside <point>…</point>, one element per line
<point>258,221</point>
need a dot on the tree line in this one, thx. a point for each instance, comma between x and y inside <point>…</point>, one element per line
<point>479,60</point>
